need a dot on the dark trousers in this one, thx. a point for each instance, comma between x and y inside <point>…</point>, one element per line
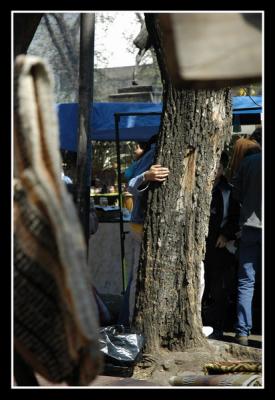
<point>220,286</point>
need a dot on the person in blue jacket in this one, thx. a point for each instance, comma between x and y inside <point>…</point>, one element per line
<point>145,171</point>
<point>140,149</point>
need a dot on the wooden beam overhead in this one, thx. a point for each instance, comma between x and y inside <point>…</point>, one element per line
<point>212,50</point>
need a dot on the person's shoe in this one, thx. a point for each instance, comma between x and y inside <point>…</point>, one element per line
<point>207,330</point>
<point>217,334</point>
<point>242,340</point>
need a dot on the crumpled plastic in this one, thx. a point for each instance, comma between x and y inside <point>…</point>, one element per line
<point>120,346</point>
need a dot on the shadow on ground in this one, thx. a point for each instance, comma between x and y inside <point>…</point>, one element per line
<point>251,343</point>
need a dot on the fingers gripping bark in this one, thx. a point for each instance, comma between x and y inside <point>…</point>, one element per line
<point>156,173</point>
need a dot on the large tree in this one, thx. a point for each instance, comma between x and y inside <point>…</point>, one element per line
<point>194,127</point>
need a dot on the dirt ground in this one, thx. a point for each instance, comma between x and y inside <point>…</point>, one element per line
<point>156,370</point>
<point>160,368</point>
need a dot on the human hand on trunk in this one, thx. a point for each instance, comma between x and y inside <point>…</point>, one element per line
<point>221,242</point>
<point>156,173</point>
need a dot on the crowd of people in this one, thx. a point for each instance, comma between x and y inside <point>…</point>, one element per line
<point>232,262</point>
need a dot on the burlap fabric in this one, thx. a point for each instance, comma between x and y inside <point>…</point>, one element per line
<point>55,317</point>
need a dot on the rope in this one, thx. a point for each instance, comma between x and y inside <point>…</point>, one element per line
<point>229,367</point>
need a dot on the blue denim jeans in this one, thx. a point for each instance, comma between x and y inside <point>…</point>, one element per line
<point>250,264</point>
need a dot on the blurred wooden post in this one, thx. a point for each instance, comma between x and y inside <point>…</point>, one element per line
<point>24,28</point>
<point>84,157</point>
<point>212,50</point>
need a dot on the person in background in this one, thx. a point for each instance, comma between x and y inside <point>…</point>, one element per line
<point>220,264</point>
<point>144,173</point>
<point>93,219</point>
<point>140,149</point>
<point>69,183</point>
<point>65,166</point>
<point>247,189</point>
<point>66,178</point>
<point>257,135</point>
<point>241,147</point>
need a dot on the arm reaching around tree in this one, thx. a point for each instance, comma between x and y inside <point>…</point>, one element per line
<point>140,183</point>
<point>156,173</point>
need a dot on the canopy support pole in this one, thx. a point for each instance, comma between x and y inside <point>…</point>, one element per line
<point>122,233</point>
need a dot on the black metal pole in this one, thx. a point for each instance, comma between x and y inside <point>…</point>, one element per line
<point>122,233</point>
<point>84,150</point>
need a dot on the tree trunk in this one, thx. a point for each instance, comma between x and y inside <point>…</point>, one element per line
<point>194,127</point>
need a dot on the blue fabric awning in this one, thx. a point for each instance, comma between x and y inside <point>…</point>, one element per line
<point>247,104</point>
<point>247,110</point>
<point>135,127</point>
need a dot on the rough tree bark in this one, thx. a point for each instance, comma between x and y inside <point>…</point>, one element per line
<point>195,125</point>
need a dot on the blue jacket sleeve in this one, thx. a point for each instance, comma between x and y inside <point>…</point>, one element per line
<point>130,171</point>
<point>135,186</point>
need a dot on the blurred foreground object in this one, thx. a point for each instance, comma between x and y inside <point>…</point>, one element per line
<point>55,315</point>
<point>212,50</point>
<point>248,379</point>
<point>24,28</point>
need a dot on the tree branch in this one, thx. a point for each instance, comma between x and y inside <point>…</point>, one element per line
<point>64,58</point>
<point>68,39</point>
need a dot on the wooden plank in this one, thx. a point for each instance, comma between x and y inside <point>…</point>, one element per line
<point>210,50</point>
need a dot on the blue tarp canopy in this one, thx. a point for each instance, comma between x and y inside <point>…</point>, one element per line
<point>136,127</point>
<point>247,110</point>
<point>247,105</point>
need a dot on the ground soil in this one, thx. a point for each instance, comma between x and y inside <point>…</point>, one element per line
<point>159,368</point>
<point>155,370</point>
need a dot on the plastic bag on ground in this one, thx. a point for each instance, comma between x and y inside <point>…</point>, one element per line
<point>121,348</point>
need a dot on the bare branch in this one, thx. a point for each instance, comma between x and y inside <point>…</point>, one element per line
<point>139,17</point>
<point>68,39</point>
<point>65,60</point>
